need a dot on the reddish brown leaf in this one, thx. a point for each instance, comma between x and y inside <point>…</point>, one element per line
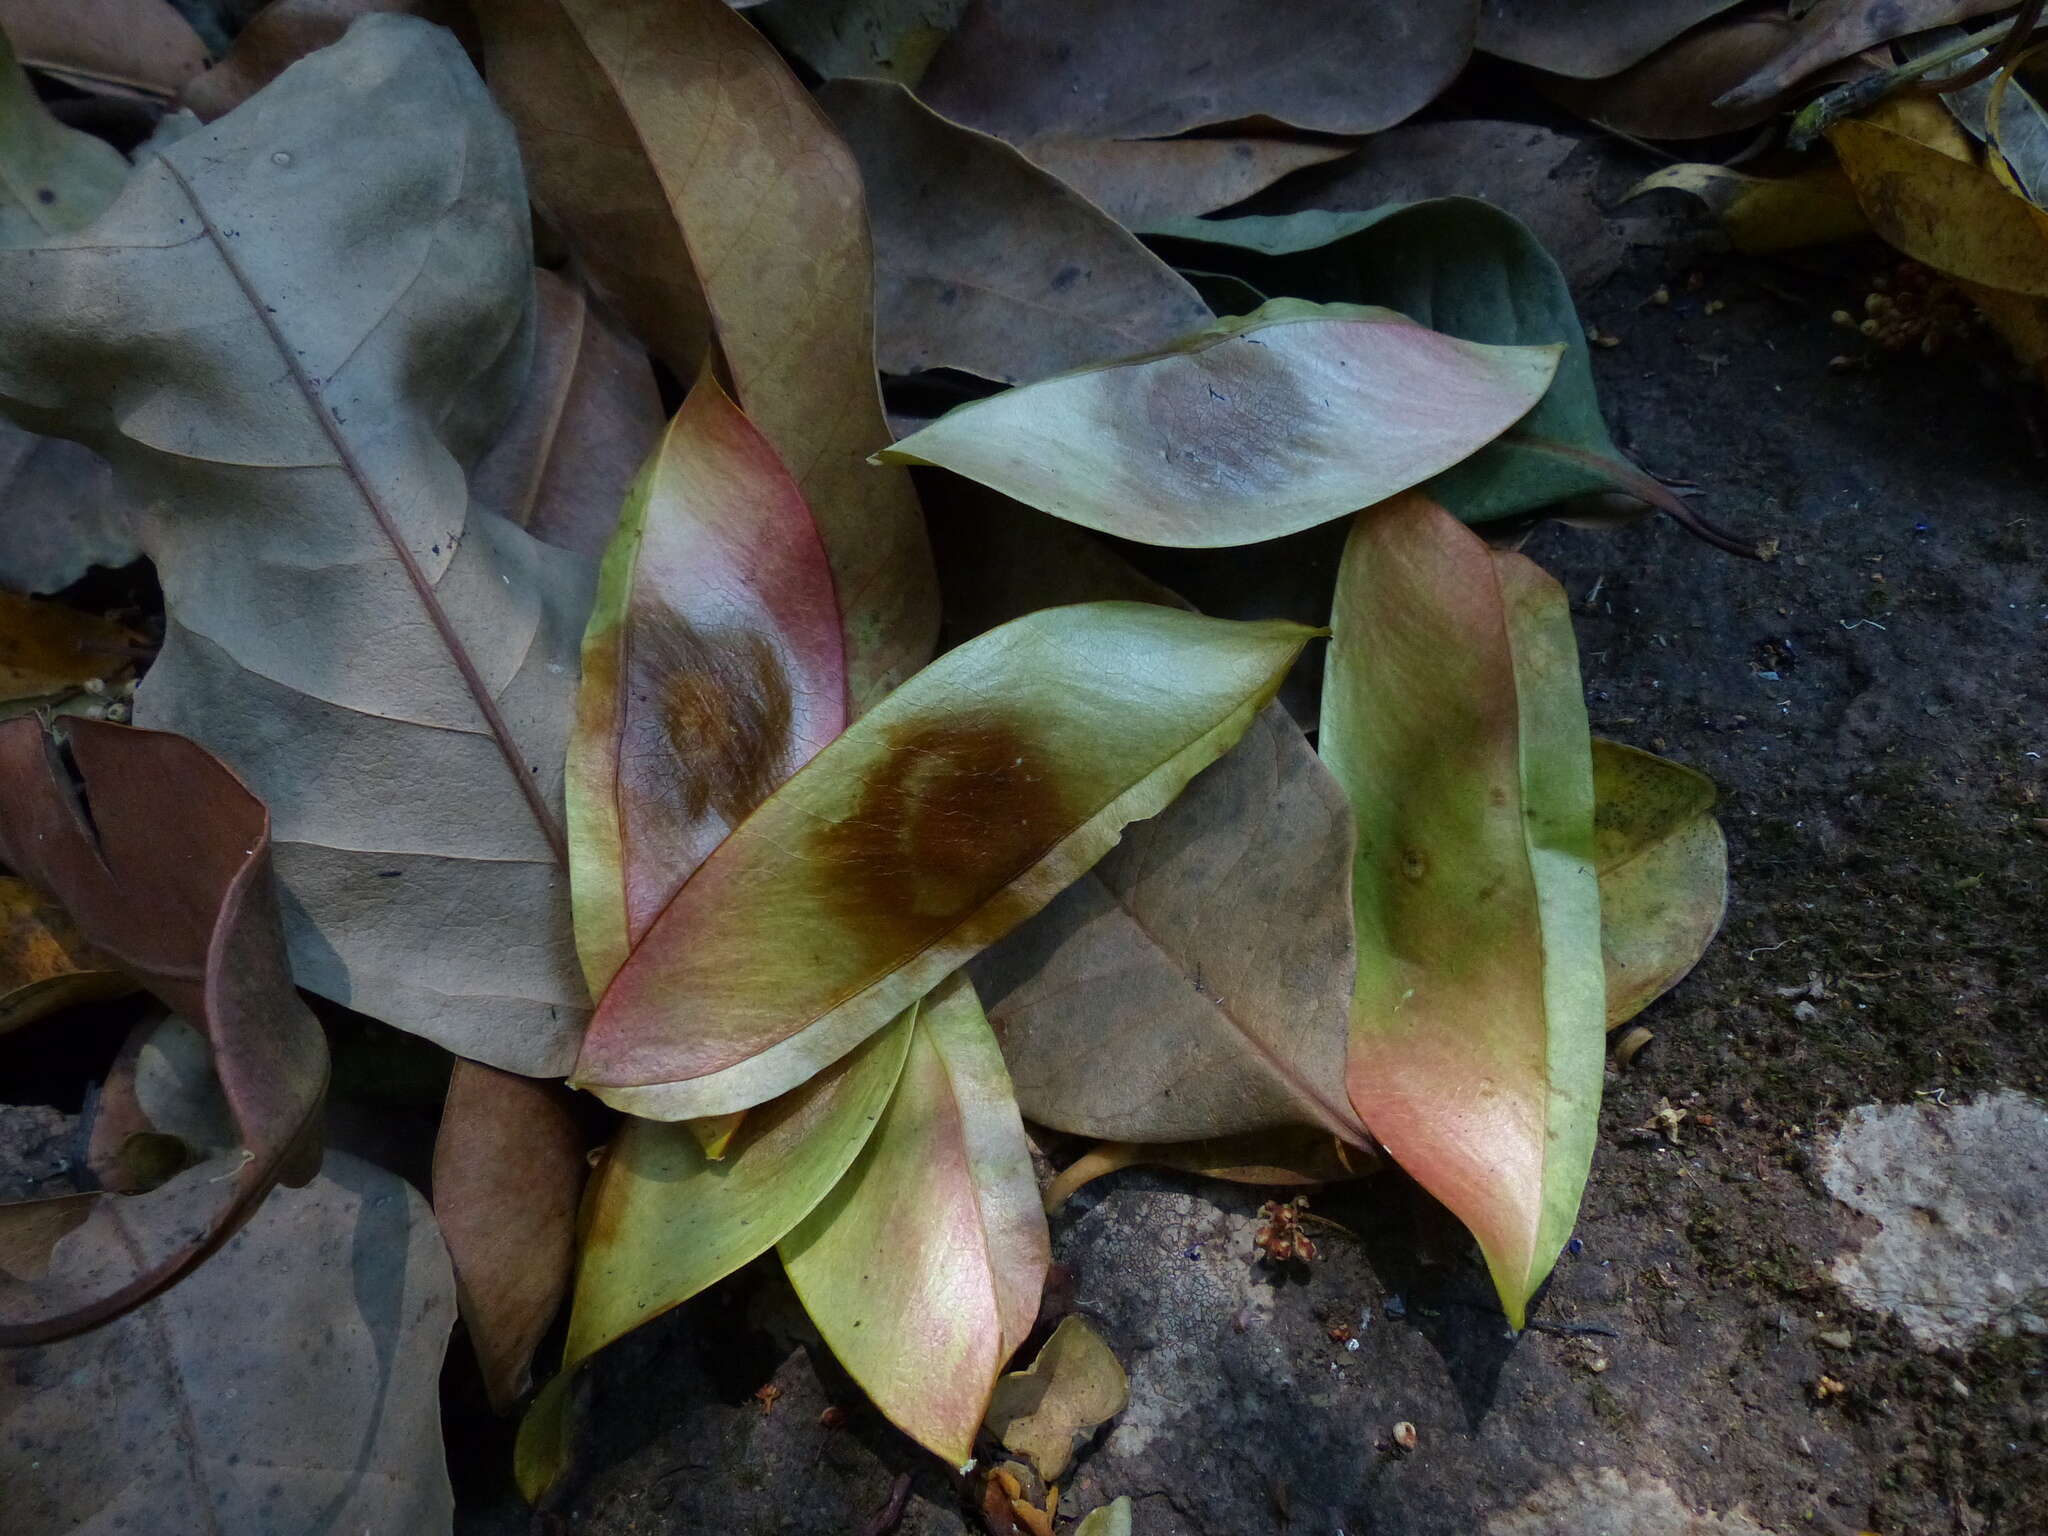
<point>184,903</point>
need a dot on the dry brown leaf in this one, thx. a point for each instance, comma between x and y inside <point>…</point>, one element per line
<point>1124,69</point>
<point>284,32</point>
<point>1671,94</point>
<point>1832,30</point>
<point>1143,182</point>
<point>508,1173</point>
<point>988,264</point>
<point>1586,39</point>
<point>47,648</point>
<point>1073,1386</point>
<point>139,47</point>
<point>45,964</point>
<point>590,415</point>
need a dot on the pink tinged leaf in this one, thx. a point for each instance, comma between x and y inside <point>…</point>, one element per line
<point>713,669</point>
<point>924,1267</point>
<point>934,825</point>
<point>1453,716</point>
<point>1245,430</point>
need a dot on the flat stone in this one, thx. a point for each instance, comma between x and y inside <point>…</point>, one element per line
<point>1605,1503</point>
<point>1962,1243</point>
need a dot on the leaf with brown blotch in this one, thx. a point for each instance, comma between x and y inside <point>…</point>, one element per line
<point>508,1173</point>
<point>284,32</point>
<point>185,905</point>
<point>704,191</point>
<point>1142,182</point>
<point>1454,717</point>
<point>1197,981</point>
<point>712,671</point>
<point>1832,30</point>
<point>1243,431</point>
<point>1584,40</point>
<point>1288,1158</point>
<point>44,963</point>
<point>1031,69</point>
<point>132,47</point>
<point>1663,868</point>
<point>290,1385</point>
<point>938,822</point>
<point>987,264</point>
<point>345,264</point>
<point>590,415</point>
<point>924,1267</point>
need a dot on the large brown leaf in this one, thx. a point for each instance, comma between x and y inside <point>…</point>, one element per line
<point>1586,38</point>
<point>586,423</point>
<point>141,47</point>
<point>987,264</point>
<point>185,905</point>
<point>288,1387</point>
<point>306,318</point>
<point>705,192</point>
<point>284,32</point>
<point>1143,182</point>
<point>1673,93</point>
<point>1030,69</point>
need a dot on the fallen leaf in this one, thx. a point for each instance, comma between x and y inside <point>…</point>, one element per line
<point>1832,30</point>
<point>142,47</point>
<point>159,1109</point>
<point>876,39</point>
<point>924,1266</point>
<point>1763,213</point>
<point>1073,1387</point>
<point>1999,113</point>
<point>987,264</point>
<point>590,414</point>
<point>1676,93</point>
<point>1471,271</point>
<point>391,674</point>
<point>289,1385</point>
<point>939,821</point>
<point>1142,182</point>
<point>1111,1519</point>
<point>47,648</point>
<point>53,179</point>
<point>703,189</point>
<point>284,32</point>
<point>1121,69</point>
<point>1197,981</point>
<point>508,1172</point>
<point>45,964</point>
<point>1246,430</point>
<point>1454,716</point>
<point>1289,1157</point>
<point>712,671</point>
<point>1528,171</point>
<point>1582,39</point>
<point>186,906</point>
<point>1943,212</point>
<point>1663,868</point>
<point>61,512</point>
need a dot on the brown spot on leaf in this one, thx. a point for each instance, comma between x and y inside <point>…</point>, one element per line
<point>708,720</point>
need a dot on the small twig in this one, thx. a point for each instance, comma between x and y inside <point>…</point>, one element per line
<point>890,1513</point>
<point>1817,116</point>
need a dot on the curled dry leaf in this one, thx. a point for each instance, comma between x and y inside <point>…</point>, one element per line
<point>1762,213</point>
<point>1586,40</point>
<point>47,648</point>
<point>712,671</point>
<point>1290,1157</point>
<point>1453,715</point>
<point>160,1108</point>
<point>1832,30</point>
<point>1033,69</point>
<point>1143,182</point>
<point>508,1172</point>
<point>45,964</point>
<point>1663,868</point>
<point>1197,981</point>
<point>704,192</point>
<point>289,1385</point>
<point>934,825</point>
<point>1245,430</point>
<point>137,47</point>
<point>924,1266</point>
<point>187,908</point>
<point>1073,1387</point>
<point>987,264</point>
<point>589,416</point>
<point>391,673</point>
<point>284,32</point>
